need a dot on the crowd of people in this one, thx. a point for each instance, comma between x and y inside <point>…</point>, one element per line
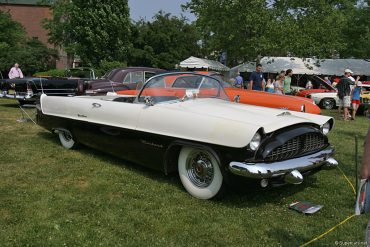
<point>349,89</point>
<point>281,84</point>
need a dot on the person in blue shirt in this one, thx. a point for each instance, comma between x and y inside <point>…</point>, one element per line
<point>239,81</point>
<point>356,92</point>
<point>256,80</point>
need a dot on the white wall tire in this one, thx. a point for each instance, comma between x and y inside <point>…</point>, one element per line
<point>66,139</point>
<point>200,173</point>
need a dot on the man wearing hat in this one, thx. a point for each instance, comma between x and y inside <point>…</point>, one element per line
<point>344,94</point>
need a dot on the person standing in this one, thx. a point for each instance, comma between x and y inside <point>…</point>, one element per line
<point>238,81</point>
<point>356,96</point>
<point>288,81</point>
<point>344,94</point>
<point>279,85</point>
<point>15,72</point>
<point>270,86</point>
<point>256,80</point>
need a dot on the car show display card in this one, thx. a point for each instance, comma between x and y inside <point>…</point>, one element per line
<point>305,207</point>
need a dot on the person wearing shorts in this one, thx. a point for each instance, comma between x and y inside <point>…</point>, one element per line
<point>356,92</point>
<point>344,94</point>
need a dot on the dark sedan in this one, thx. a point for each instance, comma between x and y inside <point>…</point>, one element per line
<point>121,79</point>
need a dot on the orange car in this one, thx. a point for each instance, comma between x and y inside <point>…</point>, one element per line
<point>293,103</point>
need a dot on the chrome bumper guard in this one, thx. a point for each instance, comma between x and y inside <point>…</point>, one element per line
<point>289,169</point>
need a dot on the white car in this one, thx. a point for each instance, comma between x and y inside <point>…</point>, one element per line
<point>327,100</point>
<point>194,131</point>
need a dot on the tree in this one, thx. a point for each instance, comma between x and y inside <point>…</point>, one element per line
<point>357,33</point>
<point>16,47</point>
<point>164,42</point>
<point>95,30</point>
<point>247,29</point>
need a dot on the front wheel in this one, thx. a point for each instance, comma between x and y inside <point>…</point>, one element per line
<point>66,139</point>
<point>200,173</point>
<point>328,104</point>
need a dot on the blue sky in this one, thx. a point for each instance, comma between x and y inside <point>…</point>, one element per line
<point>148,8</point>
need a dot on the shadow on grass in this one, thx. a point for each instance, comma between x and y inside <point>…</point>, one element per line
<point>242,194</point>
<point>15,105</point>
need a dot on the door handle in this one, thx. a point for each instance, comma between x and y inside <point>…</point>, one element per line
<point>96,105</point>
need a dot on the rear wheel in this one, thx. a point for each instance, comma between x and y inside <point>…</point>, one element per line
<point>66,139</point>
<point>200,173</point>
<point>327,104</point>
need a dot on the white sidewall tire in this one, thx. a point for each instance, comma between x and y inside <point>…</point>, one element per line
<point>201,193</point>
<point>67,143</point>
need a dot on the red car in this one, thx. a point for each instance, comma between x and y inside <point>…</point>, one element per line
<point>319,86</point>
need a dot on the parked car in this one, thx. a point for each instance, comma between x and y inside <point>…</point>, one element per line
<point>330,100</point>
<point>245,96</point>
<point>319,86</point>
<point>196,132</point>
<point>120,79</point>
<point>27,90</point>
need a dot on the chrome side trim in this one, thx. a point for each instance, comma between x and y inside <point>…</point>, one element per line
<point>287,168</point>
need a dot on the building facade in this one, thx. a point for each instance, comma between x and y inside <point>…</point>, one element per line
<point>30,14</point>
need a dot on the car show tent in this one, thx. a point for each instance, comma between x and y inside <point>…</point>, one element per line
<point>204,64</point>
<point>307,66</point>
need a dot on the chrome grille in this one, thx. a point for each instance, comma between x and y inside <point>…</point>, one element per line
<point>297,146</point>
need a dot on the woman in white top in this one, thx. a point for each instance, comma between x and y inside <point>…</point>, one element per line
<point>279,84</point>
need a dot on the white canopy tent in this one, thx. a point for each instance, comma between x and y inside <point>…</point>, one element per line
<point>201,63</point>
<point>308,66</point>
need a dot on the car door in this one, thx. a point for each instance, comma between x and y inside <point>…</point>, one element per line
<point>111,126</point>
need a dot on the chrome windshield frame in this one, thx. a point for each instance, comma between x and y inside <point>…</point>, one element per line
<point>221,88</point>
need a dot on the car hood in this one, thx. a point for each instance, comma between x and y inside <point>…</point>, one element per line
<point>268,118</point>
<point>219,122</point>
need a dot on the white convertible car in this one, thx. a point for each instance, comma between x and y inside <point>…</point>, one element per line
<point>196,132</point>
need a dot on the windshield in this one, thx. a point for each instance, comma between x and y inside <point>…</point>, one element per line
<point>182,86</point>
<point>80,73</point>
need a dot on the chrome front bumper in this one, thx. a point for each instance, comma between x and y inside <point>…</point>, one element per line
<point>290,170</point>
<point>16,96</point>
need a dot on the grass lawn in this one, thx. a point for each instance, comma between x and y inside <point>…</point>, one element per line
<point>50,196</point>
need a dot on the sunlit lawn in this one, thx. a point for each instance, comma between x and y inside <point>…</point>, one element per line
<point>53,196</point>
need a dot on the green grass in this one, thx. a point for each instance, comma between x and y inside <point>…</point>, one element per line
<point>50,196</point>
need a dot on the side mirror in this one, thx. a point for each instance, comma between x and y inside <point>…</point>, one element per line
<point>237,98</point>
<point>148,101</point>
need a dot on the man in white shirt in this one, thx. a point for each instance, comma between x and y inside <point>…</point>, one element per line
<point>15,72</point>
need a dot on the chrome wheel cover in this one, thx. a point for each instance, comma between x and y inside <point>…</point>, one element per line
<point>200,169</point>
<point>328,104</point>
<point>67,136</point>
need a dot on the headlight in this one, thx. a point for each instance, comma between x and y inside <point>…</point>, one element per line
<point>255,142</point>
<point>325,128</point>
